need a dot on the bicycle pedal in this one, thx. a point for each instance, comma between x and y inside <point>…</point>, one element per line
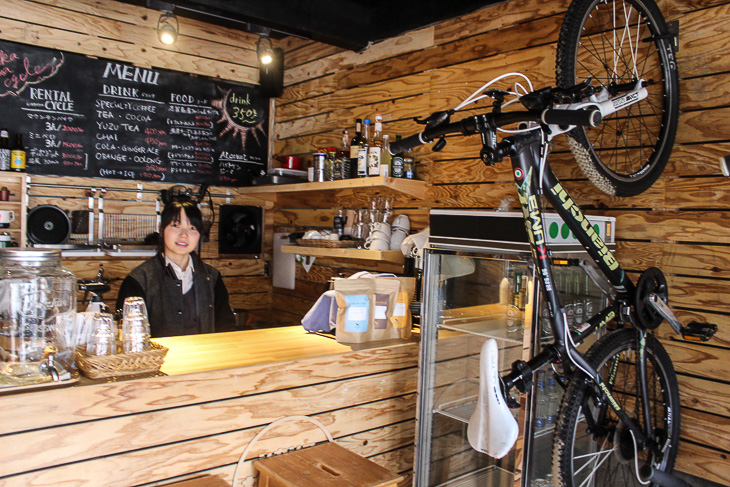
<point>698,332</point>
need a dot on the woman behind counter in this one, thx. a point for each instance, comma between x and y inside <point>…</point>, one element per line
<point>184,295</point>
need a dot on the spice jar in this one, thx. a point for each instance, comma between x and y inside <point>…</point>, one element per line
<point>38,331</point>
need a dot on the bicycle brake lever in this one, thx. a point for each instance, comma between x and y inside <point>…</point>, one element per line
<point>436,119</point>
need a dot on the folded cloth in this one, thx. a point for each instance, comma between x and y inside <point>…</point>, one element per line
<point>322,316</point>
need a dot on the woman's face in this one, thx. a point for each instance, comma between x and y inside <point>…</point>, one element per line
<point>181,237</point>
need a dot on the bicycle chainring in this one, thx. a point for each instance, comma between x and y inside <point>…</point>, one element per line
<point>652,281</point>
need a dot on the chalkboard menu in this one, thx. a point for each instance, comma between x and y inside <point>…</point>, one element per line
<point>99,118</point>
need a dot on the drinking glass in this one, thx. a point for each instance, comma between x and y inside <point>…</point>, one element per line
<point>135,326</point>
<point>103,340</point>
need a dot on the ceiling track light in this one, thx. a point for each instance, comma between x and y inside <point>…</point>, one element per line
<point>167,28</point>
<point>264,49</point>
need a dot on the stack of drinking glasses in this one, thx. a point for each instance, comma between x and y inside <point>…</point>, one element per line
<point>135,326</point>
<point>103,339</point>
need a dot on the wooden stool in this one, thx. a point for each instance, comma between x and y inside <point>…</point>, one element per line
<point>325,465</point>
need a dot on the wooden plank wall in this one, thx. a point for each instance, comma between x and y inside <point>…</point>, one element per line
<point>680,224</point>
<point>122,32</point>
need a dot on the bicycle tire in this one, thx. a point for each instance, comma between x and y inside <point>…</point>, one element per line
<point>607,458</point>
<point>627,153</point>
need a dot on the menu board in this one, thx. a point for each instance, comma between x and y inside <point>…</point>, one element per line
<point>99,118</point>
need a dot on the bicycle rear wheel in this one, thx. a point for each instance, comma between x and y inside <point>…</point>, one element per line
<point>605,454</point>
<point>622,41</point>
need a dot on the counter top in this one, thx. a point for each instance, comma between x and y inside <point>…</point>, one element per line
<point>199,353</point>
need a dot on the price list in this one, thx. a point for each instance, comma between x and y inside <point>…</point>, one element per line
<point>93,117</point>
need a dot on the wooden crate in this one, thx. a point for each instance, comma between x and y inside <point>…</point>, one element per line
<point>325,465</point>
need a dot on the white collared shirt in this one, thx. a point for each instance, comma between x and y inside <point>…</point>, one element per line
<point>186,276</point>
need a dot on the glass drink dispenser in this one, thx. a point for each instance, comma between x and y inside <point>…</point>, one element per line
<point>37,318</point>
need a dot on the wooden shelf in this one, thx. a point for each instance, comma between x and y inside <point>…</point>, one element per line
<point>411,187</point>
<point>394,256</point>
<point>16,182</point>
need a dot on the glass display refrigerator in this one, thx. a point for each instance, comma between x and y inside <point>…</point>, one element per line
<point>479,283</point>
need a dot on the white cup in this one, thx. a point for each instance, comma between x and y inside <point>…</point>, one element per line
<point>7,216</point>
<point>377,244</point>
<point>312,235</point>
<point>381,226</point>
<point>402,221</point>
<point>397,237</point>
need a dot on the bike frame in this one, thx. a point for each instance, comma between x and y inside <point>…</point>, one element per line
<point>526,164</point>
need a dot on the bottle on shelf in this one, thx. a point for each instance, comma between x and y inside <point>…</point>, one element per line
<point>375,151</point>
<point>505,288</point>
<point>328,156</point>
<point>385,157</point>
<point>363,149</point>
<point>409,166</point>
<point>396,163</point>
<point>339,221</point>
<point>541,403</point>
<point>355,144</point>
<point>4,150</point>
<point>18,155</point>
<point>517,296</point>
<point>343,154</point>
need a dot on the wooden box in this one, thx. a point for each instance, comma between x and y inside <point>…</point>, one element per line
<point>325,465</point>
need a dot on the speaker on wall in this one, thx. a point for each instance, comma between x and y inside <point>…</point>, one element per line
<point>271,76</point>
<point>48,225</point>
<point>240,230</point>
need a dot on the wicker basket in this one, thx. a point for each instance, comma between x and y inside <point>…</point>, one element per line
<point>98,367</point>
<point>329,244</point>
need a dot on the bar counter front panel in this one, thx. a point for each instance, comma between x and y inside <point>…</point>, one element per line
<point>216,392</point>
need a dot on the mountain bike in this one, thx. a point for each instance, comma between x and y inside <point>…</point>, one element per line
<point>616,100</point>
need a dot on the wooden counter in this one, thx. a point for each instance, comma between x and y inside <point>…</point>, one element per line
<point>219,392</point>
<point>200,353</point>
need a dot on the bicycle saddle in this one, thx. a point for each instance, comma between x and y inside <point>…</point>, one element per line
<point>492,428</point>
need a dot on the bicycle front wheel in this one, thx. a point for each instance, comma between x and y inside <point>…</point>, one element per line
<point>593,447</point>
<point>622,41</point>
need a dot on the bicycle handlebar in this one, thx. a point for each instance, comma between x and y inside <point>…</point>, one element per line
<point>490,121</point>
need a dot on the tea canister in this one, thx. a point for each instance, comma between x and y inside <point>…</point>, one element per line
<point>37,318</point>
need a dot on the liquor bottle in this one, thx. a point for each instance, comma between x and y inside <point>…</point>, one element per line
<point>362,152</point>
<point>516,298</point>
<point>4,150</point>
<point>396,163</point>
<point>385,157</point>
<point>375,150</point>
<point>17,155</point>
<point>355,144</point>
<point>343,154</point>
<point>334,165</point>
<point>522,294</point>
<point>541,404</point>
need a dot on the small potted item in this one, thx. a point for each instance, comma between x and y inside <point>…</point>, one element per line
<point>4,194</point>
